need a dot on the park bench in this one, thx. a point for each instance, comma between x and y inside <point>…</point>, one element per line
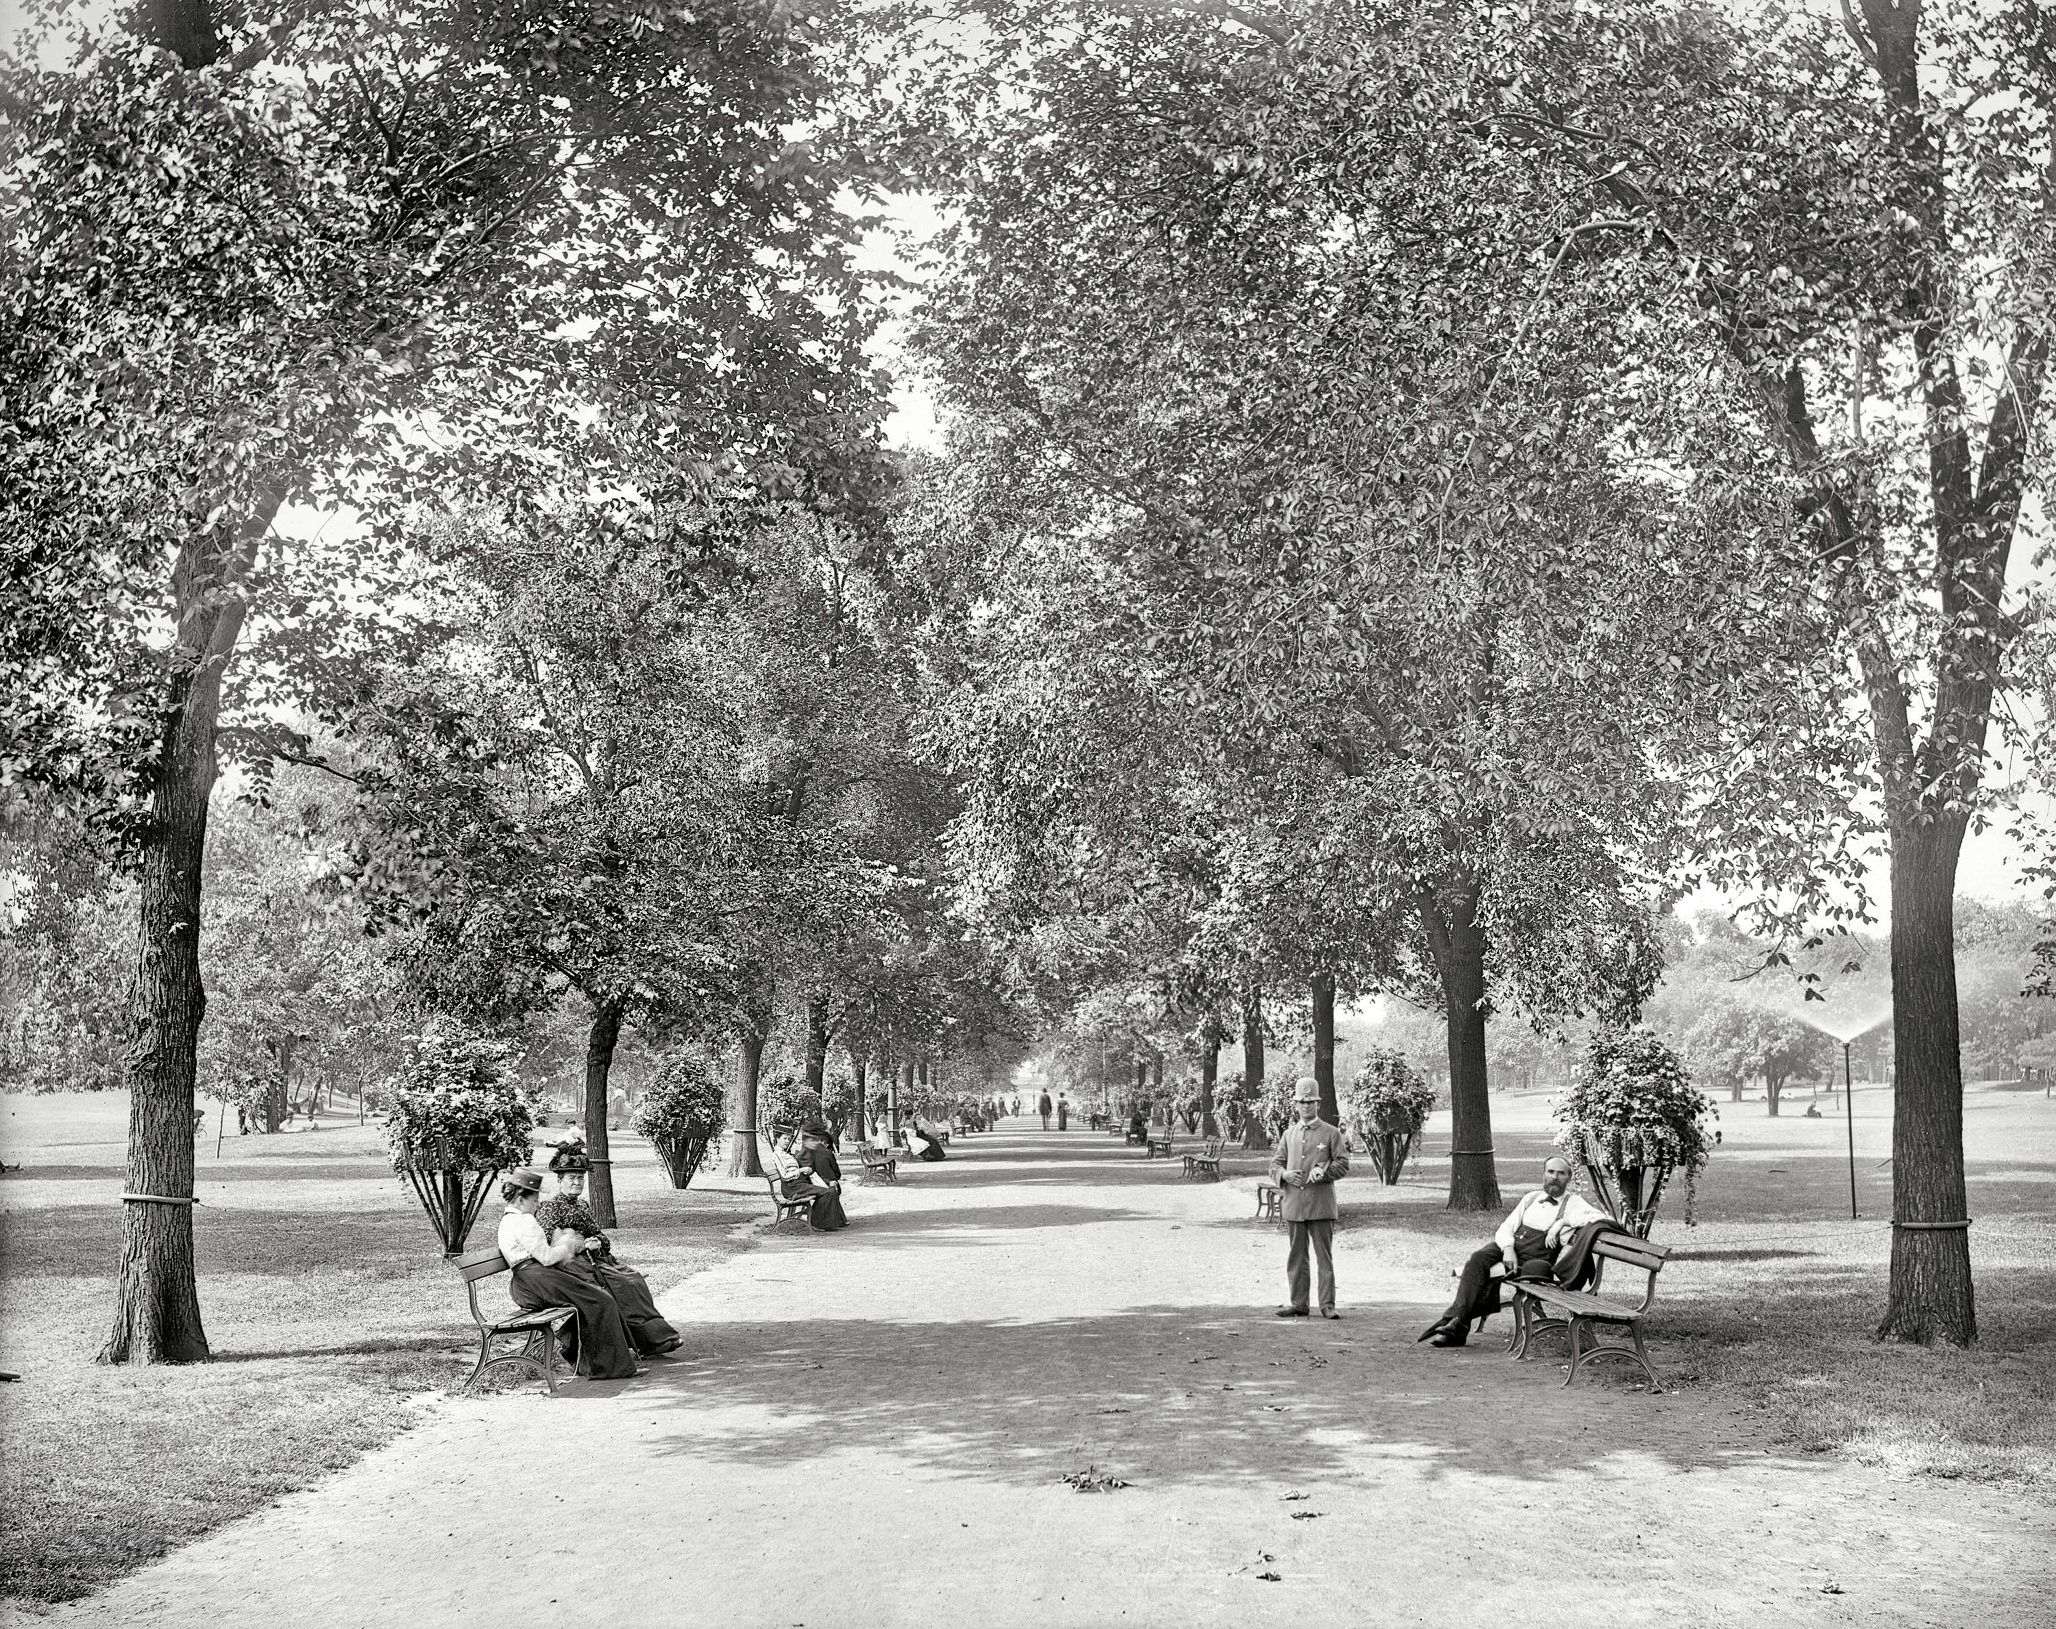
<point>876,1164</point>
<point>537,1354</point>
<point>1207,1162</point>
<point>1270,1202</point>
<point>783,1206</point>
<point>1157,1141</point>
<point>1540,1306</point>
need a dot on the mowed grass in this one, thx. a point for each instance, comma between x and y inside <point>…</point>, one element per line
<point>1772,1302</point>
<point>332,1316</point>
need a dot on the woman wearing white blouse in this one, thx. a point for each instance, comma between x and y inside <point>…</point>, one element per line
<point>554,1275</point>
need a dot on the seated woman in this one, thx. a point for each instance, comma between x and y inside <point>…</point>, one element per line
<point>922,1143</point>
<point>817,1159</point>
<point>564,1213</point>
<point>552,1275</point>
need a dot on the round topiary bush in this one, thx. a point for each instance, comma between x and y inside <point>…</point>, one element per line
<point>683,1109</point>
<point>454,1121</point>
<point>1634,1120</point>
<point>1387,1104</point>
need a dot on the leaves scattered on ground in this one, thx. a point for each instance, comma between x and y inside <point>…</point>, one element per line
<point>1092,1480</point>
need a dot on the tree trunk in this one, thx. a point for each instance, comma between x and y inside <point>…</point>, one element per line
<point>817,1043</point>
<point>859,1073</point>
<point>157,1297</point>
<point>1141,1103</point>
<point>1253,1064</point>
<point>1931,1292</point>
<point>1209,1071</point>
<point>1773,1089</point>
<point>1458,943</point>
<point>600,1041</point>
<point>1323,990</point>
<point>758,1015</point>
<point>892,1103</point>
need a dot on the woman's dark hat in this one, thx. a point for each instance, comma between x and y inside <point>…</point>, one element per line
<point>525,1178</point>
<point>570,1156</point>
<point>814,1126</point>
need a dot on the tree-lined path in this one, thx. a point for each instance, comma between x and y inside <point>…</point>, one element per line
<point>872,1429</point>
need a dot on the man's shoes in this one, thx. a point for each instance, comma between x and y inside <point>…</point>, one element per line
<point>1330,1312</point>
<point>1292,1312</point>
<point>1451,1337</point>
<point>1432,1330</point>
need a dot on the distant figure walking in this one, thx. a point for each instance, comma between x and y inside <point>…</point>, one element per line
<point>1063,1112</point>
<point>1043,1105</point>
<point>1308,1161</point>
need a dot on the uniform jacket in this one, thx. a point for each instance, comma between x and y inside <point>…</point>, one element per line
<point>1300,1149</point>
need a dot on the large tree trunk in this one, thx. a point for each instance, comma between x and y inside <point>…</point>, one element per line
<point>1931,1293</point>
<point>1254,1130</point>
<point>817,1043</point>
<point>859,1073</point>
<point>600,1041</point>
<point>1323,990</point>
<point>1458,943</point>
<point>157,1298</point>
<point>1209,1072</point>
<point>1773,1090</point>
<point>746,1161</point>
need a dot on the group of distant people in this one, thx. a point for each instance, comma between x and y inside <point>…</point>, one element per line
<point>1062,1110</point>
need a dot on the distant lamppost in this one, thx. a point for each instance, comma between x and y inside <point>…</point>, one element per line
<point>1849,1116</point>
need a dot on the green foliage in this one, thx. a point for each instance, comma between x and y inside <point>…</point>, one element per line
<point>1388,1095</point>
<point>454,1109</point>
<point>783,1101</point>
<point>684,1100</point>
<point>1632,1106</point>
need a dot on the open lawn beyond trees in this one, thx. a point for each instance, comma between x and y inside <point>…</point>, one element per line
<point>339,1326</point>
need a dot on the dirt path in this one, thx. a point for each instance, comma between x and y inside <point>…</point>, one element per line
<point>871,1428</point>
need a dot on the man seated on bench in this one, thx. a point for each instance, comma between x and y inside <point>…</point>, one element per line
<point>1526,1246</point>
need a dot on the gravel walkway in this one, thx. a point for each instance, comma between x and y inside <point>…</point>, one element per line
<point>871,1429</point>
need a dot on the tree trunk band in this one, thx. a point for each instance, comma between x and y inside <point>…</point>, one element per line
<point>1469,1153</point>
<point>1932,1227</point>
<point>158,1199</point>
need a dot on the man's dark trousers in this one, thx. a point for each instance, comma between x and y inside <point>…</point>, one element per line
<point>1321,1234</point>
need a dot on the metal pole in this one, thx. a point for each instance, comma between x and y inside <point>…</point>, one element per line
<point>1849,1115</point>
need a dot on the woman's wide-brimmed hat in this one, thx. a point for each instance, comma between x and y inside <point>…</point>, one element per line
<point>525,1178</point>
<point>570,1156</point>
<point>814,1126</point>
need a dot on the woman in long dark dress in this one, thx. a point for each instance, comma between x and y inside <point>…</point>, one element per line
<point>550,1275</point>
<point>566,1212</point>
<point>817,1160</point>
<point>922,1143</point>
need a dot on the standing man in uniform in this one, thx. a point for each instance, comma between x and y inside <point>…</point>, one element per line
<point>1310,1158</point>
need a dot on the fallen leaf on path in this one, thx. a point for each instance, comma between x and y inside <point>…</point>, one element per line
<point>1090,1480</point>
<point>1307,1515</point>
<point>1831,1588</point>
<point>1292,1496</point>
<point>1271,1577</point>
<point>1110,1411</point>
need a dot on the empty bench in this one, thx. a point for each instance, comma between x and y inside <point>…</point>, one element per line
<point>1207,1162</point>
<point>1541,1306</point>
<point>536,1331</point>
<point>876,1164</point>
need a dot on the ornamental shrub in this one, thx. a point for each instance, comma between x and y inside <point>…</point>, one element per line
<point>1632,1107</point>
<point>454,1108</point>
<point>783,1100</point>
<point>1388,1095</point>
<point>683,1102</point>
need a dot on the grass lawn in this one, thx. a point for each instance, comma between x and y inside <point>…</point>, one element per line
<point>1772,1301</point>
<point>331,1313</point>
